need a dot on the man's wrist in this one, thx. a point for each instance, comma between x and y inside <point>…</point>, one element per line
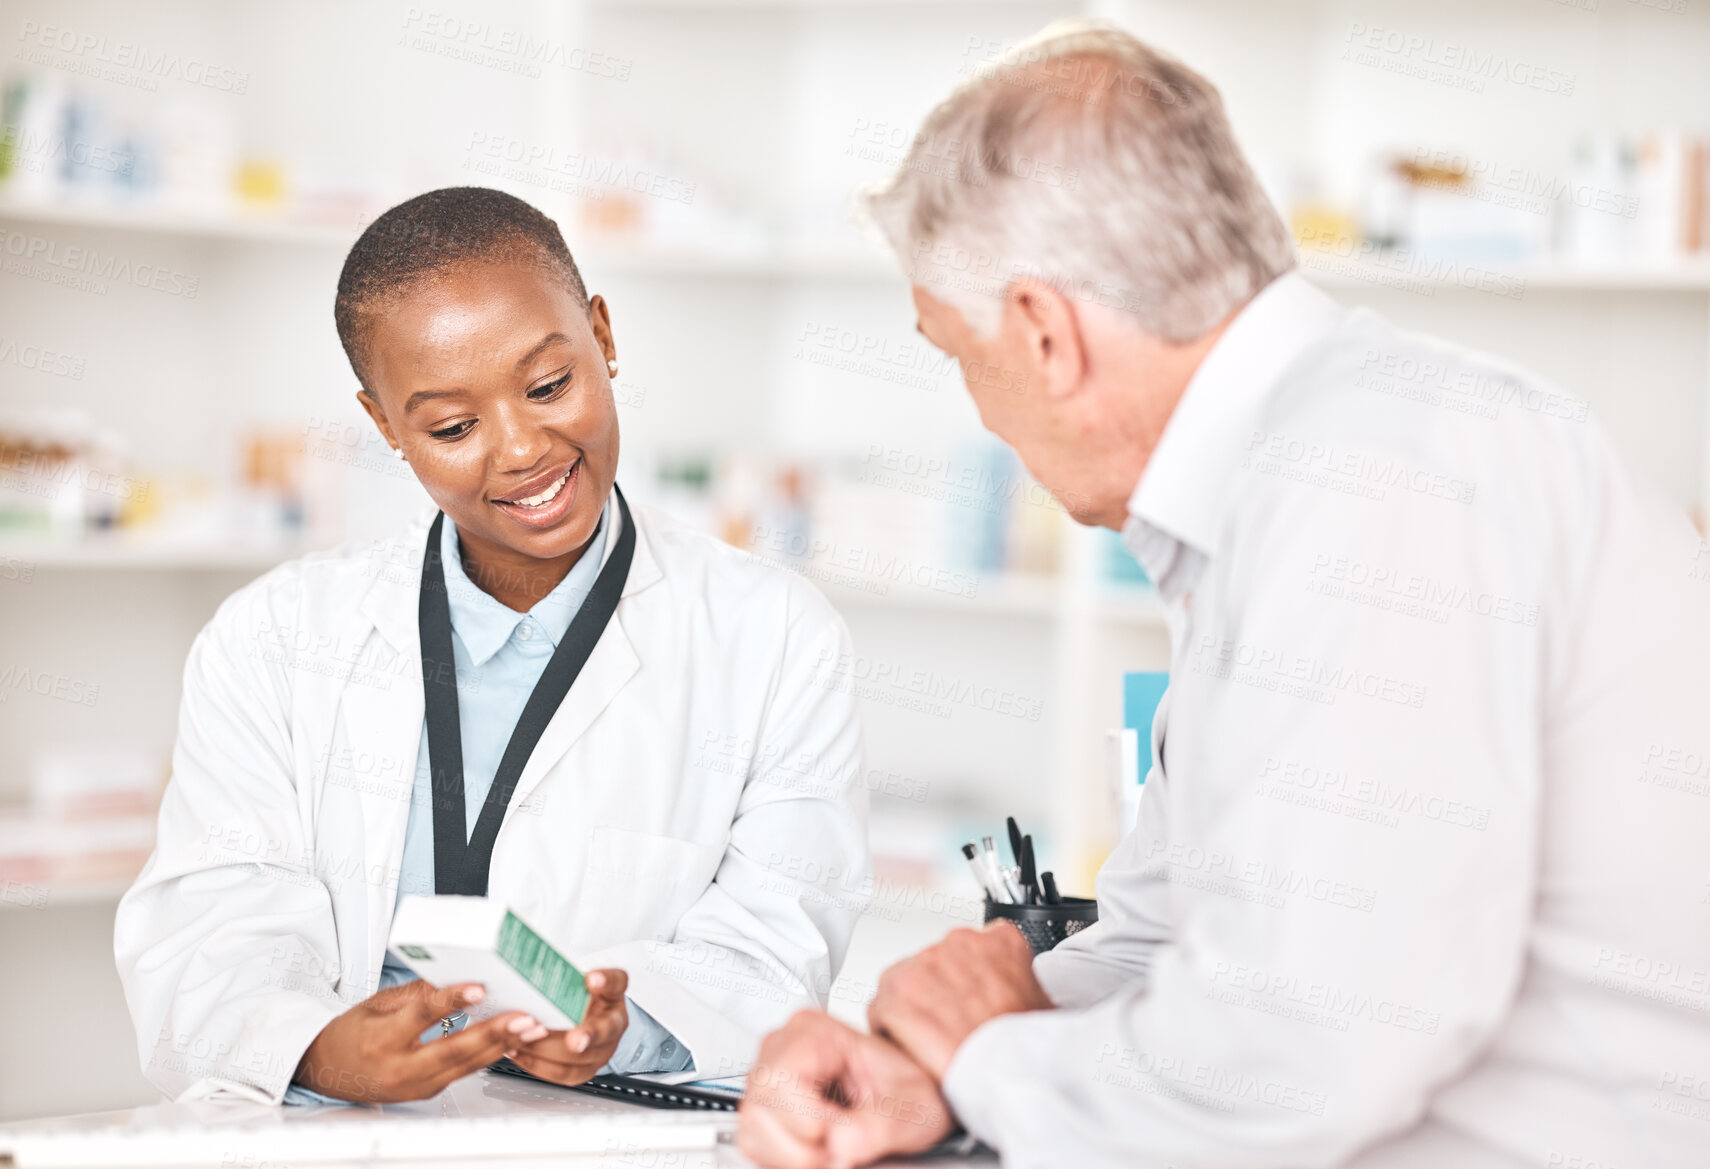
<point>979,1056</point>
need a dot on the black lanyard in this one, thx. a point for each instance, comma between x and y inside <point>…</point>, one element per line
<point>460,866</point>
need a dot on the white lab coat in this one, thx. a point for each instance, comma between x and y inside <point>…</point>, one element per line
<point>693,813</point>
<point>1419,877</point>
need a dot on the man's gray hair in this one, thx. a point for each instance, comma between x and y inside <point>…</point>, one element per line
<point>1088,160</point>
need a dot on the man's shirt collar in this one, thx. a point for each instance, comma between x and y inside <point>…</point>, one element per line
<point>1184,489</point>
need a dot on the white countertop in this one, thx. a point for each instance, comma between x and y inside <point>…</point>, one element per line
<point>471,1124</point>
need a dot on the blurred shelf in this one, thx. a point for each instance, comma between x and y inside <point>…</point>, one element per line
<point>1511,281</point>
<point>850,263</point>
<point>168,221</point>
<point>63,893</point>
<point>794,262</point>
<point>141,552</point>
<point>995,596</point>
<point>846,263</point>
<point>1038,598</point>
<point>1013,595</point>
<point>1129,605</point>
<point>108,852</point>
<point>1071,6</point>
<point>605,258</point>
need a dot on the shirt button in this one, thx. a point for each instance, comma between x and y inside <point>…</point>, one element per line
<point>668,1048</point>
<point>524,632</point>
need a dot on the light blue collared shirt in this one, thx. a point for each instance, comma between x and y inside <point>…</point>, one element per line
<point>500,655</point>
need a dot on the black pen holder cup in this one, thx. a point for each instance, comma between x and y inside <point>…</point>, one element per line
<point>1045,925</point>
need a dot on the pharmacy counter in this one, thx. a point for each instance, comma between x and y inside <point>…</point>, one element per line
<point>483,1120</point>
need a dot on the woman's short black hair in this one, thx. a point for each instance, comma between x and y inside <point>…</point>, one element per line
<point>432,232</point>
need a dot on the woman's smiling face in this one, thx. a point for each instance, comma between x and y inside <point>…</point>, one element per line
<point>493,381</point>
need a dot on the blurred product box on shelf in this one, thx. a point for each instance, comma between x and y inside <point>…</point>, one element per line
<point>63,480</point>
<point>1128,751</point>
<point>1614,199</point>
<point>91,781</point>
<point>64,144</point>
<point>1443,210</point>
<point>54,854</point>
<point>1672,189</point>
<point>90,821</point>
<point>271,480</point>
<point>934,525</point>
<point>62,477</point>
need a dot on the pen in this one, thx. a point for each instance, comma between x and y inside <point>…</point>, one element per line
<point>1049,880</point>
<point>1012,893</point>
<point>1029,874</point>
<point>979,871</point>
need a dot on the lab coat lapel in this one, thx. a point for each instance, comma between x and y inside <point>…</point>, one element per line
<point>382,720</point>
<point>611,665</point>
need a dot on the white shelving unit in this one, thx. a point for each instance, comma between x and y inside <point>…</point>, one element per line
<point>840,263</point>
<point>147,219</point>
<point>758,46</point>
<point>154,555</point>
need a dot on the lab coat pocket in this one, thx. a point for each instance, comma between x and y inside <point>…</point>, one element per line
<point>638,885</point>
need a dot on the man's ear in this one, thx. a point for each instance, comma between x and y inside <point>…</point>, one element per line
<point>373,407</point>
<point>1049,328</point>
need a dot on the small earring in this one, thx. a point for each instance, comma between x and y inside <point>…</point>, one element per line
<point>612,366</point>
<point>399,451</point>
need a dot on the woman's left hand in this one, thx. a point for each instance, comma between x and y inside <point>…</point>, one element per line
<point>573,1056</point>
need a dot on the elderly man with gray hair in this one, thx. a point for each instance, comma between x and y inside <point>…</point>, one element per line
<point>1420,874</point>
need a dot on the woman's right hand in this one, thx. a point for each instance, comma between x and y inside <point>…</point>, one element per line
<point>373,1052</point>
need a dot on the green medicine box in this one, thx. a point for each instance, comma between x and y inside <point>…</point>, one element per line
<point>447,940</point>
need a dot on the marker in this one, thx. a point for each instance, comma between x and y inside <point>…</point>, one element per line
<point>1015,839</point>
<point>1049,880</point>
<point>979,871</point>
<point>1029,873</point>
